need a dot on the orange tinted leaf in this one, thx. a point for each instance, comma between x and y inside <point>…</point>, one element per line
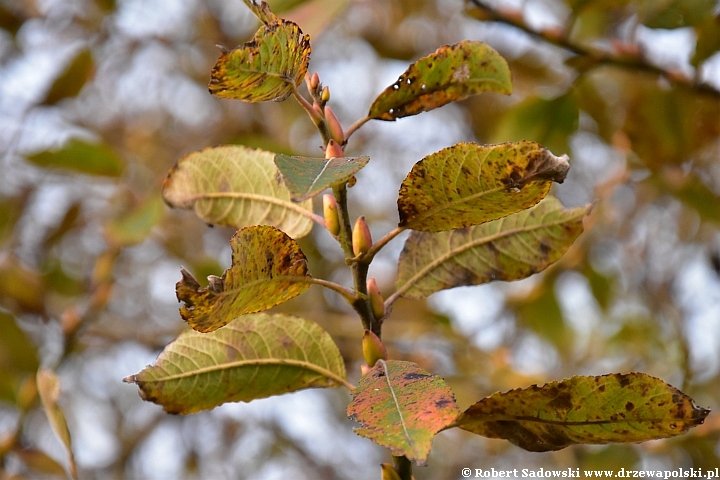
<point>269,67</point>
<point>267,269</point>
<point>402,407</point>
<point>452,73</point>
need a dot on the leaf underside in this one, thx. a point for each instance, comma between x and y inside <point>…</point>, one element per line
<point>236,186</point>
<point>510,248</point>
<point>267,269</point>
<point>452,73</point>
<point>470,184</point>
<point>269,67</point>
<point>254,356</point>
<point>402,407</point>
<point>306,177</point>
<point>632,407</point>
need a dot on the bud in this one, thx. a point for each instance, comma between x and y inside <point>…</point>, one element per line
<point>361,238</point>
<point>333,125</point>
<point>314,81</point>
<point>334,150</point>
<point>330,210</point>
<point>364,369</point>
<point>376,301</point>
<point>373,348</point>
<point>325,95</point>
<point>388,472</point>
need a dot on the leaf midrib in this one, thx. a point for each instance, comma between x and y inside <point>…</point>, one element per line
<point>475,243</point>
<point>250,196</point>
<point>303,364</point>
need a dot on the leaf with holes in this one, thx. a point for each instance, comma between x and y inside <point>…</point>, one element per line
<point>510,248</point>
<point>632,407</point>
<point>452,73</point>
<point>268,268</point>
<point>306,177</point>
<point>402,407</point>
<point>269,67</point>
<point>236,186</point>
<point>254,356</point>
<point>470,184</point>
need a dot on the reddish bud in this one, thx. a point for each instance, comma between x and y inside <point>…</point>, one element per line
<point>334,150</point>
<point>330,210</point>
<point>364,369</point>
<point>373,348</point>
<point>361,238</point>
<point>376,300</point>
<point>314,81</point>
<point>333,125</point>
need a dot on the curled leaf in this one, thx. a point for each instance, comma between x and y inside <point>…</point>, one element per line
<point>452,73</point>
<point>268,268</point>
<point>632,407</point>
<point>470,184</point>
<point>269,67</point>
<point>254,356</point>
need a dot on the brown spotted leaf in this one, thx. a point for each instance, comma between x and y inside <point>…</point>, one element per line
<point>510,248</point>
<point>306,177</point>
<point>632,407</point>
<point>261,10</point>
<point>452,73</point>
<point>402,407</point>
<point>236,186</point>
<point>470,184</point>
<point>254,356</point>
<point>269,67</point>
<point>268,268</point>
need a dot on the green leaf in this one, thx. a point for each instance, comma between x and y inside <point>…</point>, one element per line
<point>72,79</point>
<point>268,268</point>
<point>18,357</point>
<point>708,39</point>
<point>615,408</point>
<point>674,13</point>
<point>305,177</point>
<point>134,226</point>
<point>469,184</point>
<point>254,356</point>
<point>452,73</point>
<point>402,407</point>
<point>269,67</point>
<point>236,186</point>
<point>550,122</point>
<point>82,157</point>
<point>510,248</point>
<point>48,385</point>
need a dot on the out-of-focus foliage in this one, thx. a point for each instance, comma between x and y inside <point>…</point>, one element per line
<point>628,89</point>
